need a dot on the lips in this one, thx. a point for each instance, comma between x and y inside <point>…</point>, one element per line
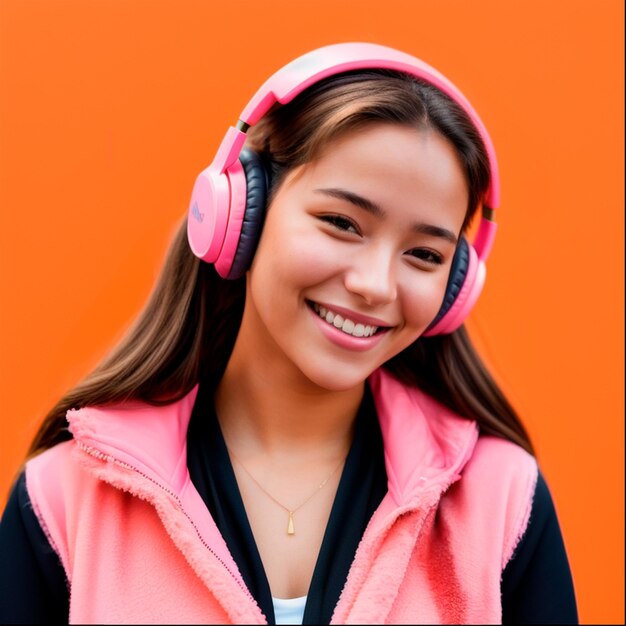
<point>352,324</point>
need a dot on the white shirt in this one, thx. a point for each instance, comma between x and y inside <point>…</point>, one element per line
<point>289,610</point>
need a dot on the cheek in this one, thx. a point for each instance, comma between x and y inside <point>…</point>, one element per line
<point>311,265</point>
<point>423,299</point>
<point>298,256</point>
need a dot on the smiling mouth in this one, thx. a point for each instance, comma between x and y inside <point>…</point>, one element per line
<point>345,324</point>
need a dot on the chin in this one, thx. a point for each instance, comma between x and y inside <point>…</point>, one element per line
<point>337,378</point>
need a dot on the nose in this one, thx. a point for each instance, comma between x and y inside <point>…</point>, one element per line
<point>371,274</point>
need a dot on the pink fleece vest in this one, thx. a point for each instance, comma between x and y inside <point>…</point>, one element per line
<point>139,546</point>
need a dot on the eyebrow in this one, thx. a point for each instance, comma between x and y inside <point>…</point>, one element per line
<point>376,210</point>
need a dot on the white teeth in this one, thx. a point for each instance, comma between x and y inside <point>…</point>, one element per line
<point>348,326</point>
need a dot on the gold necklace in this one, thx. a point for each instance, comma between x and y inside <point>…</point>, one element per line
<point>290,525</point>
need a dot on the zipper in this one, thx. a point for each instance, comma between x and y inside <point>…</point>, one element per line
<point>94,452</point>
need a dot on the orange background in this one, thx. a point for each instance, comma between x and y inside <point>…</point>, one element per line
<point>109,109</point>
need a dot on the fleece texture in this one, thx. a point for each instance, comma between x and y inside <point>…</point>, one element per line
<point>138,545</point>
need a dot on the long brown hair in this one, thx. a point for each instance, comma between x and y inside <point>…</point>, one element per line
<point>186,332</point>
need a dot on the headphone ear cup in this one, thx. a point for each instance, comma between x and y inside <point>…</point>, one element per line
<point>467,276</point>
<point>257,186</point>
<point>458,272</point>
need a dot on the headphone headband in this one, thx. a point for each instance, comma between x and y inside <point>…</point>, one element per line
<point>289,81</point>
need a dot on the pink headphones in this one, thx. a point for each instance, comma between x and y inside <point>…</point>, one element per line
<point>228,201</point>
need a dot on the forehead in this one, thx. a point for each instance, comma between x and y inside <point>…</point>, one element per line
<point>414,171</point>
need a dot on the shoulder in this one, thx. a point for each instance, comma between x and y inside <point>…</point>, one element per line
<point>498,483</point>
<point>51,472</point>
<point>537,585</point>
<point>32,578</point>
<point>45,472</point>
<point>511,461</point>
<point>50,478</point>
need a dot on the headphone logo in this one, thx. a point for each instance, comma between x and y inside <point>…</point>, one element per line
<point>195,211</point>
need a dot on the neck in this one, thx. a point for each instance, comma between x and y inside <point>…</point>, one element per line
<point>263,412</point>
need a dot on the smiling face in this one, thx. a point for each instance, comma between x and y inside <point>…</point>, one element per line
<point>355,254</point>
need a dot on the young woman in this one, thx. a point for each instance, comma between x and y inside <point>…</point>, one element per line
<point>297,429</point>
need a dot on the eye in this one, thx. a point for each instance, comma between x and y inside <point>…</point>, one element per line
<point>425,255</point>
<point>341,222</point>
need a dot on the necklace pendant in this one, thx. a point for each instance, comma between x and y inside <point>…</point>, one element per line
<point>290,528</point>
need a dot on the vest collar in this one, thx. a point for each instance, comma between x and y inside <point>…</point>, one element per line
<point>426,444</point>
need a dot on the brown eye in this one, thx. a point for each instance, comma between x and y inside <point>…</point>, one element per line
<point>426,255</point>
<point>341,223</point>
